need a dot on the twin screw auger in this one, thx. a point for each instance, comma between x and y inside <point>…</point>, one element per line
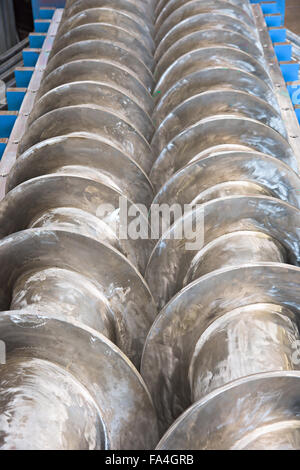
<point>166,102</point>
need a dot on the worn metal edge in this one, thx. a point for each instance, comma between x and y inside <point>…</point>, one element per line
<point>10,153</point>
<point>286,107</point>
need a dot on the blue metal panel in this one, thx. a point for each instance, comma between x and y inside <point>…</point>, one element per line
<point>23,78</point>
<point>278,35</point>
<point>275,20</point>
<point>46,14</point>
<point>30,57</point>
<point>35,8</point>
<point>280,8</point>
<point>2,148</point>
<point>37,40</point>
<point>290,72</point>
<point>37,4</point>
<point>7,122</point>
<point>269,8</point>
<point>41,26</point>
<point>15,99</point>
<point>283,51</point>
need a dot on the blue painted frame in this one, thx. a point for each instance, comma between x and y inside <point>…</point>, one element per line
<point>277,34</point>
<point>41,26</point>
<point>37,4</point>
<point>290,71</point>
<point>14,98</point>
<point>278,8</point>
<point>283,52</point>
<point>7,122</point>
<point>23,77</point>
<point>2,148</point>
<point>30,57</point>
<point>36,40</point>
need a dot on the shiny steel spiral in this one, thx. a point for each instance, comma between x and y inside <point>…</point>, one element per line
<point>225,338</point>
<point>76,310</point>
<point>72,293</point>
